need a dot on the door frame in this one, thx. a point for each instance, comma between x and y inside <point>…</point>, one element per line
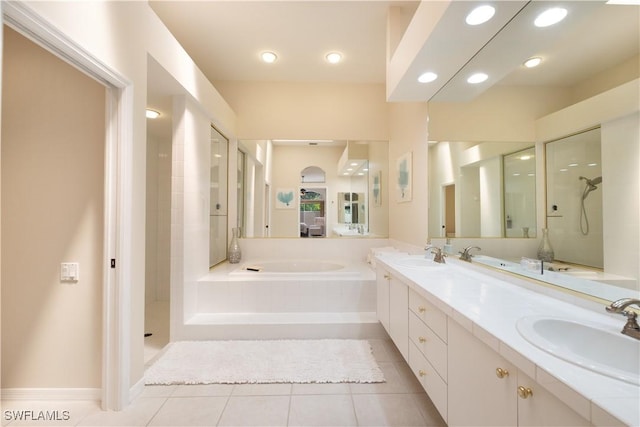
<point>116,301</point>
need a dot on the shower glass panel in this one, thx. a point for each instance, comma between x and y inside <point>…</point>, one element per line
<point>218,208</point>
<point>241,192</point>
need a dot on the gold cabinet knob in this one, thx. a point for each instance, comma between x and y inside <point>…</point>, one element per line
<point>422,309</point>
<point>387,276</point>
<point>422,373</point>
<point>524,392</point>
<point>501,373</point>
<point>422,339</point>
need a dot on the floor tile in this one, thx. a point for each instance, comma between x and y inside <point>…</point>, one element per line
<point>432,417</point>
<point>387,410</point>
<point>256,411</point>
<point>139,413</point>
<point>261,389</point>
<point>394,382</point>
<point>322,410</point>
<point>196,390</point>
<point>158,390</point>
<point>190,411</point>
<point>339,388</point>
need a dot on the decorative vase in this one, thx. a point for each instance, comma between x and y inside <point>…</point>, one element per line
<point>234,248</point>
<point>545,251</point>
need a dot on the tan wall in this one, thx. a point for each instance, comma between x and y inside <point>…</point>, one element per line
<point>308,110</point>
<point>53,127</point>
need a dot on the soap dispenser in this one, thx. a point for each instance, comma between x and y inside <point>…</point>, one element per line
<point>448,247</point>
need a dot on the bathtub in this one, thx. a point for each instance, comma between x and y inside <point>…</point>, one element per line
<point>292,267</point>
<point>287,299</point>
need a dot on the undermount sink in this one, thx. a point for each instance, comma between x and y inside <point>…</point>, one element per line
<point>592,346</point>
<point>416,261</point>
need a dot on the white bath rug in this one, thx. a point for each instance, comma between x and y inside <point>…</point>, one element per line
<point>264,362</point>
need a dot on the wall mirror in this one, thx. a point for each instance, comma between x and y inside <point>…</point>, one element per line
<point>519,193</point>
<point>578,97</point>
<point>354,170</point>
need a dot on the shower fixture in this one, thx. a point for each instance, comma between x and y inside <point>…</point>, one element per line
<point>591,185</point>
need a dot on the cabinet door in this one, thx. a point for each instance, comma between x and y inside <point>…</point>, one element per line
<point>399,315</point>
<point>382,285</point>
<point>476,395</point>
<point>541,408</point>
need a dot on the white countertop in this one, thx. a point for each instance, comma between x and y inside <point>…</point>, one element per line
<point>489,307</point>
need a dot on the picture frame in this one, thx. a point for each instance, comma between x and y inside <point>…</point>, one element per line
<point>404,178</point>
<point>285,198</point>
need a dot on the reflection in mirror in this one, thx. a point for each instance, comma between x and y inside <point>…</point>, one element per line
<point>519,171</point>
<point>346,167</point>
<point>312,212</point>
<point>574,198</point>
<point>218,209</point>
<point>467,178</point>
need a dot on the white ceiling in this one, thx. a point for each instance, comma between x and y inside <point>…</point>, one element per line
<point>225,38</point>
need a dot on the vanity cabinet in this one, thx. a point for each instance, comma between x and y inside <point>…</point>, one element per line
<point>485,390</point>
<point>392,307</point>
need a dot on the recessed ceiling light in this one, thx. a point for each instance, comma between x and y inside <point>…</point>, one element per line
<point>333,57</point>
<point>525,157</point>
<point>268,57</point>
<point>480,15</point>
<point>477,78</point>
<point>532,62</point>
<point>573,165</point>
<point>592,164</point>
<point>427,77</point>
<point>550,17</point>
<point>152,114</point>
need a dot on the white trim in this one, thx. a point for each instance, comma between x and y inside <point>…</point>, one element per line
<point>137,389</point>
<point>51,394</point>
<point>118,195</point>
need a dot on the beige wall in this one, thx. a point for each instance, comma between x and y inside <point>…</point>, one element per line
<point>52,196</point>
<point>308,110</point>
<point>408,133</point>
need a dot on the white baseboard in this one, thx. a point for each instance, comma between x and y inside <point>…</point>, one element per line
<point>51,394</point>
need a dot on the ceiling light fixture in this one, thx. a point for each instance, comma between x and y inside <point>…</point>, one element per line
<point>480,15</point>
<point>477,78</point>
<point>427,77</point>
<point>152,114</point>
<point>533,62</point>
<point>550,17</point>
<point>268,57</point>
<point>333,57</point>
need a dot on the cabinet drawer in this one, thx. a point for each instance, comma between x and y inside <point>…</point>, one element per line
<point>435,387</point>
<point>431,346</point>
<point>429,314</point>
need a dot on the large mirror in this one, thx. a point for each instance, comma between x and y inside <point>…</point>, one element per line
<point>347,174</point>
<point>572,107</point>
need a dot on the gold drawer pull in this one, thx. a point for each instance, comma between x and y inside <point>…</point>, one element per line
<point>524,392</point>
<point>422,373</point>
<point>422,339</point>
<point>387,276</point>
<point>422,309</point>
<point>501,373</point>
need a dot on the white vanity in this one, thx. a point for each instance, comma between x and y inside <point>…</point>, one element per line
<point>456,324</point>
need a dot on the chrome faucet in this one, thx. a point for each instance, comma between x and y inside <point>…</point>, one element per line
<point>465,255</point>
<point>631,328</point>
<point>438,255</point>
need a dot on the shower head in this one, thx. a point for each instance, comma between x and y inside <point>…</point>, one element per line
<point>592,184</point>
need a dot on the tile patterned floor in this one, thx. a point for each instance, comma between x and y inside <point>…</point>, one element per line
<point>398,402</point>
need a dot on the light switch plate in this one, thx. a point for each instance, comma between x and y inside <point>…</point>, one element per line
<point>69,272</point>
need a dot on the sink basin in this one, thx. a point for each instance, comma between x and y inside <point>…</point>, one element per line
<point>598,348</point>
<point>416,261</point>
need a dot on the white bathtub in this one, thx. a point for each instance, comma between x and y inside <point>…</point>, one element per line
<point>297,267</point>
<point>294,298</point>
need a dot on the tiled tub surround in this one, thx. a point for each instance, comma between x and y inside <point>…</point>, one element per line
<point>335,303</point>
<point>488,305</point>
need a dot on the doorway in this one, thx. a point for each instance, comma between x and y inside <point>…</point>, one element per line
<point>449,214</point>
<point>312,212</point>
